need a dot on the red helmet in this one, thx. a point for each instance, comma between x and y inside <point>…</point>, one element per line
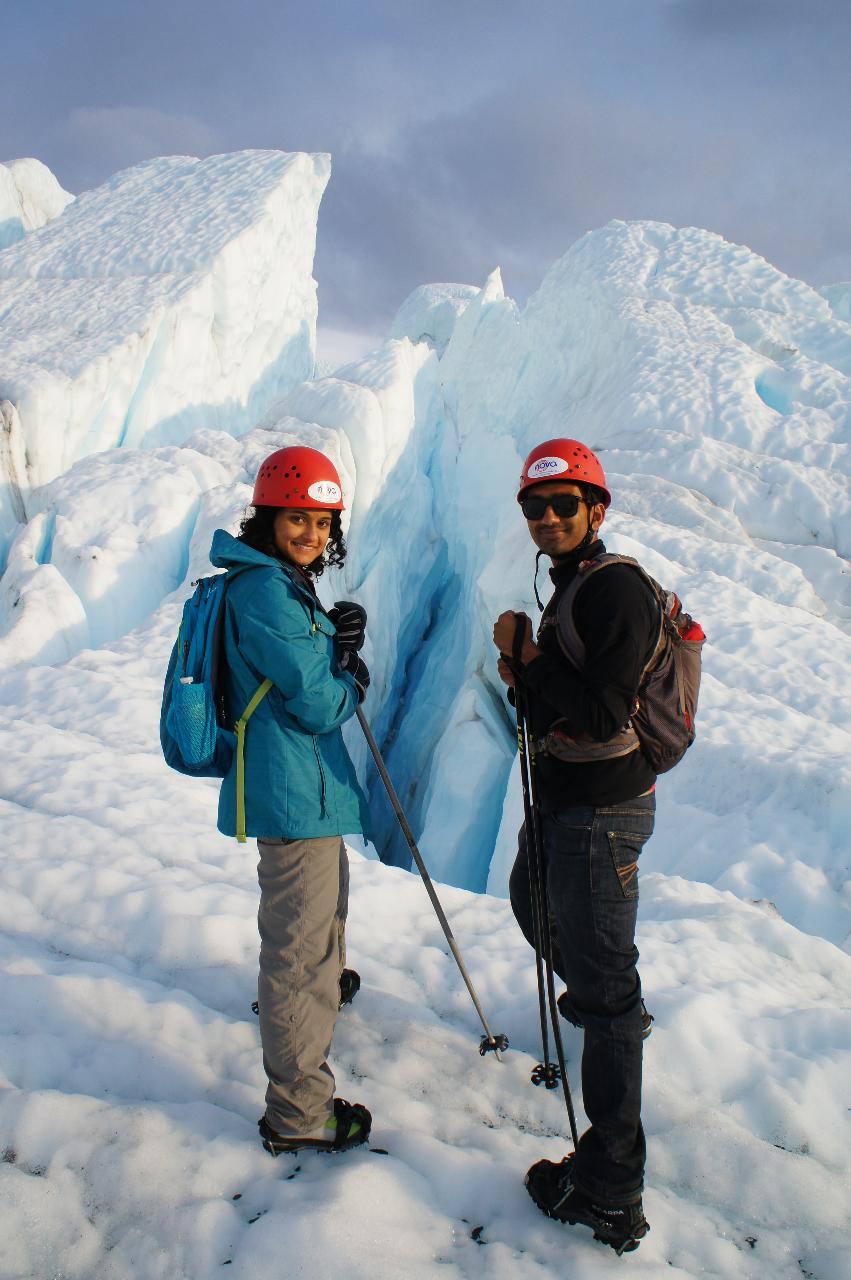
<point>298,477</point>
<point>563,460</point>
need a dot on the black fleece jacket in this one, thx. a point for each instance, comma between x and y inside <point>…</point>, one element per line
<point>618,618</point>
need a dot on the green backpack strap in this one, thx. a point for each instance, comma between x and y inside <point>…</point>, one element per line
<point>259,694</point>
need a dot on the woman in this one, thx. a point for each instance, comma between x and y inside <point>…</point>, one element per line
<point>300,790</point>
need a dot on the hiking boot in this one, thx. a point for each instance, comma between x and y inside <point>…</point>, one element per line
<point>349,987</point>
<point>571,1015</point>
<point>348,1127</point>
<point>550,1185</point>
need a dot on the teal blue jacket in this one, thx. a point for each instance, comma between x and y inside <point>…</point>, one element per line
<point>299,779</point>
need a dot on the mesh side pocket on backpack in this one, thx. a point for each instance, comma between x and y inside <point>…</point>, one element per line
<point>192,722</point>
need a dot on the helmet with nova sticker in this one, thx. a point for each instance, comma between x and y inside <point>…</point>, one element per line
<point>298,477</point>
<point>566,460</point>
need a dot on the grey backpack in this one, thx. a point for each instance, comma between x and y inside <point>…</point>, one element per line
<point>661,723</point>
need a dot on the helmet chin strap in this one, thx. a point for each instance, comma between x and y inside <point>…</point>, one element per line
<point>535,582</point>
<point>590,536</point>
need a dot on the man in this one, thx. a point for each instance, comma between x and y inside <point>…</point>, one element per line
<point>595,793</point>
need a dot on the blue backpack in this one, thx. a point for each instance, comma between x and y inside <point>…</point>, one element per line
<point>194,733</point>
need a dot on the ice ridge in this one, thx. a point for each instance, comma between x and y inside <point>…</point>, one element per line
<point>178,295</point>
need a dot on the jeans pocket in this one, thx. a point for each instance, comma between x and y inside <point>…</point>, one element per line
<point>578,819</point>
<point>565,839</point>
<point>625,847</point>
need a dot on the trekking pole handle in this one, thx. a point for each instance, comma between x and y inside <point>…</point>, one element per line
<point>497,1043</point>
<point>514,660</point>
<point>520,620</point>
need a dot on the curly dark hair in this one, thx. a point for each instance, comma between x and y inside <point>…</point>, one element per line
<point>258,531</point>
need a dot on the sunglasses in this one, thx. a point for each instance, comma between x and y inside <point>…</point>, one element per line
<point>534,507</point>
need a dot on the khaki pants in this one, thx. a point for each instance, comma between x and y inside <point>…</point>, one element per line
<point>304,893</point>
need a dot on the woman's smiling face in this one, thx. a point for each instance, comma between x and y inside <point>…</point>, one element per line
<point>301,536</point>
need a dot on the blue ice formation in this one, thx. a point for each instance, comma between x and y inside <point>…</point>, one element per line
<point>715,390</point>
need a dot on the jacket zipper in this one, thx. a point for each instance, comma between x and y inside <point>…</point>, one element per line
<point>324,812</point>
<point>313,601</point>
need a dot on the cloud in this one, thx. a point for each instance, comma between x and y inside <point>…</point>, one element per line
<point>767,19</point>
<point>514,179</point>
<point>467,136</point>
<point>99,140</point>
<point>741,128</point>
<point>335,347</point>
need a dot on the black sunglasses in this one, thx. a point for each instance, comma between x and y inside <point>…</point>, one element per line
<point>534,506</point>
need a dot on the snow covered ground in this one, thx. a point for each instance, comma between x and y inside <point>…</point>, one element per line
<point>132,1079</point>
<point>718,393</point>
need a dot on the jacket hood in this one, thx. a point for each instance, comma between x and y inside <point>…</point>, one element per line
<point>228,552</point>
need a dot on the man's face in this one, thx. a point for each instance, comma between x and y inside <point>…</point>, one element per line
<point>556,535</point>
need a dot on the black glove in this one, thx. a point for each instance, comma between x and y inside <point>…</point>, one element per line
<point>357,669</point>
<point>350,620</point>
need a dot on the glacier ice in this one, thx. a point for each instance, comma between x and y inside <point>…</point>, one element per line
<point>429,313</point>
<point>717,392</point>
<point>30,196</point>
<point>839,300</point>
<point>104,543</point>
<point>178,295</point>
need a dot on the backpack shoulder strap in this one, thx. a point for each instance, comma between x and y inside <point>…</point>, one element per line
<point>217,664</point>
<point>569,638</point>
<point>258,696</point>
<point>255,700</point>
<point>660,595</point>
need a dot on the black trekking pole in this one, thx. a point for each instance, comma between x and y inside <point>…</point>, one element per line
<point>545,1073</point>
<point>489,1041</point>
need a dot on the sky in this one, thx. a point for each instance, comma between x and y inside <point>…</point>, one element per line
<point>465,134</point>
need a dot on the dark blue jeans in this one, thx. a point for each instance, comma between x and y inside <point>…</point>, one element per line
<point>591,865</point>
